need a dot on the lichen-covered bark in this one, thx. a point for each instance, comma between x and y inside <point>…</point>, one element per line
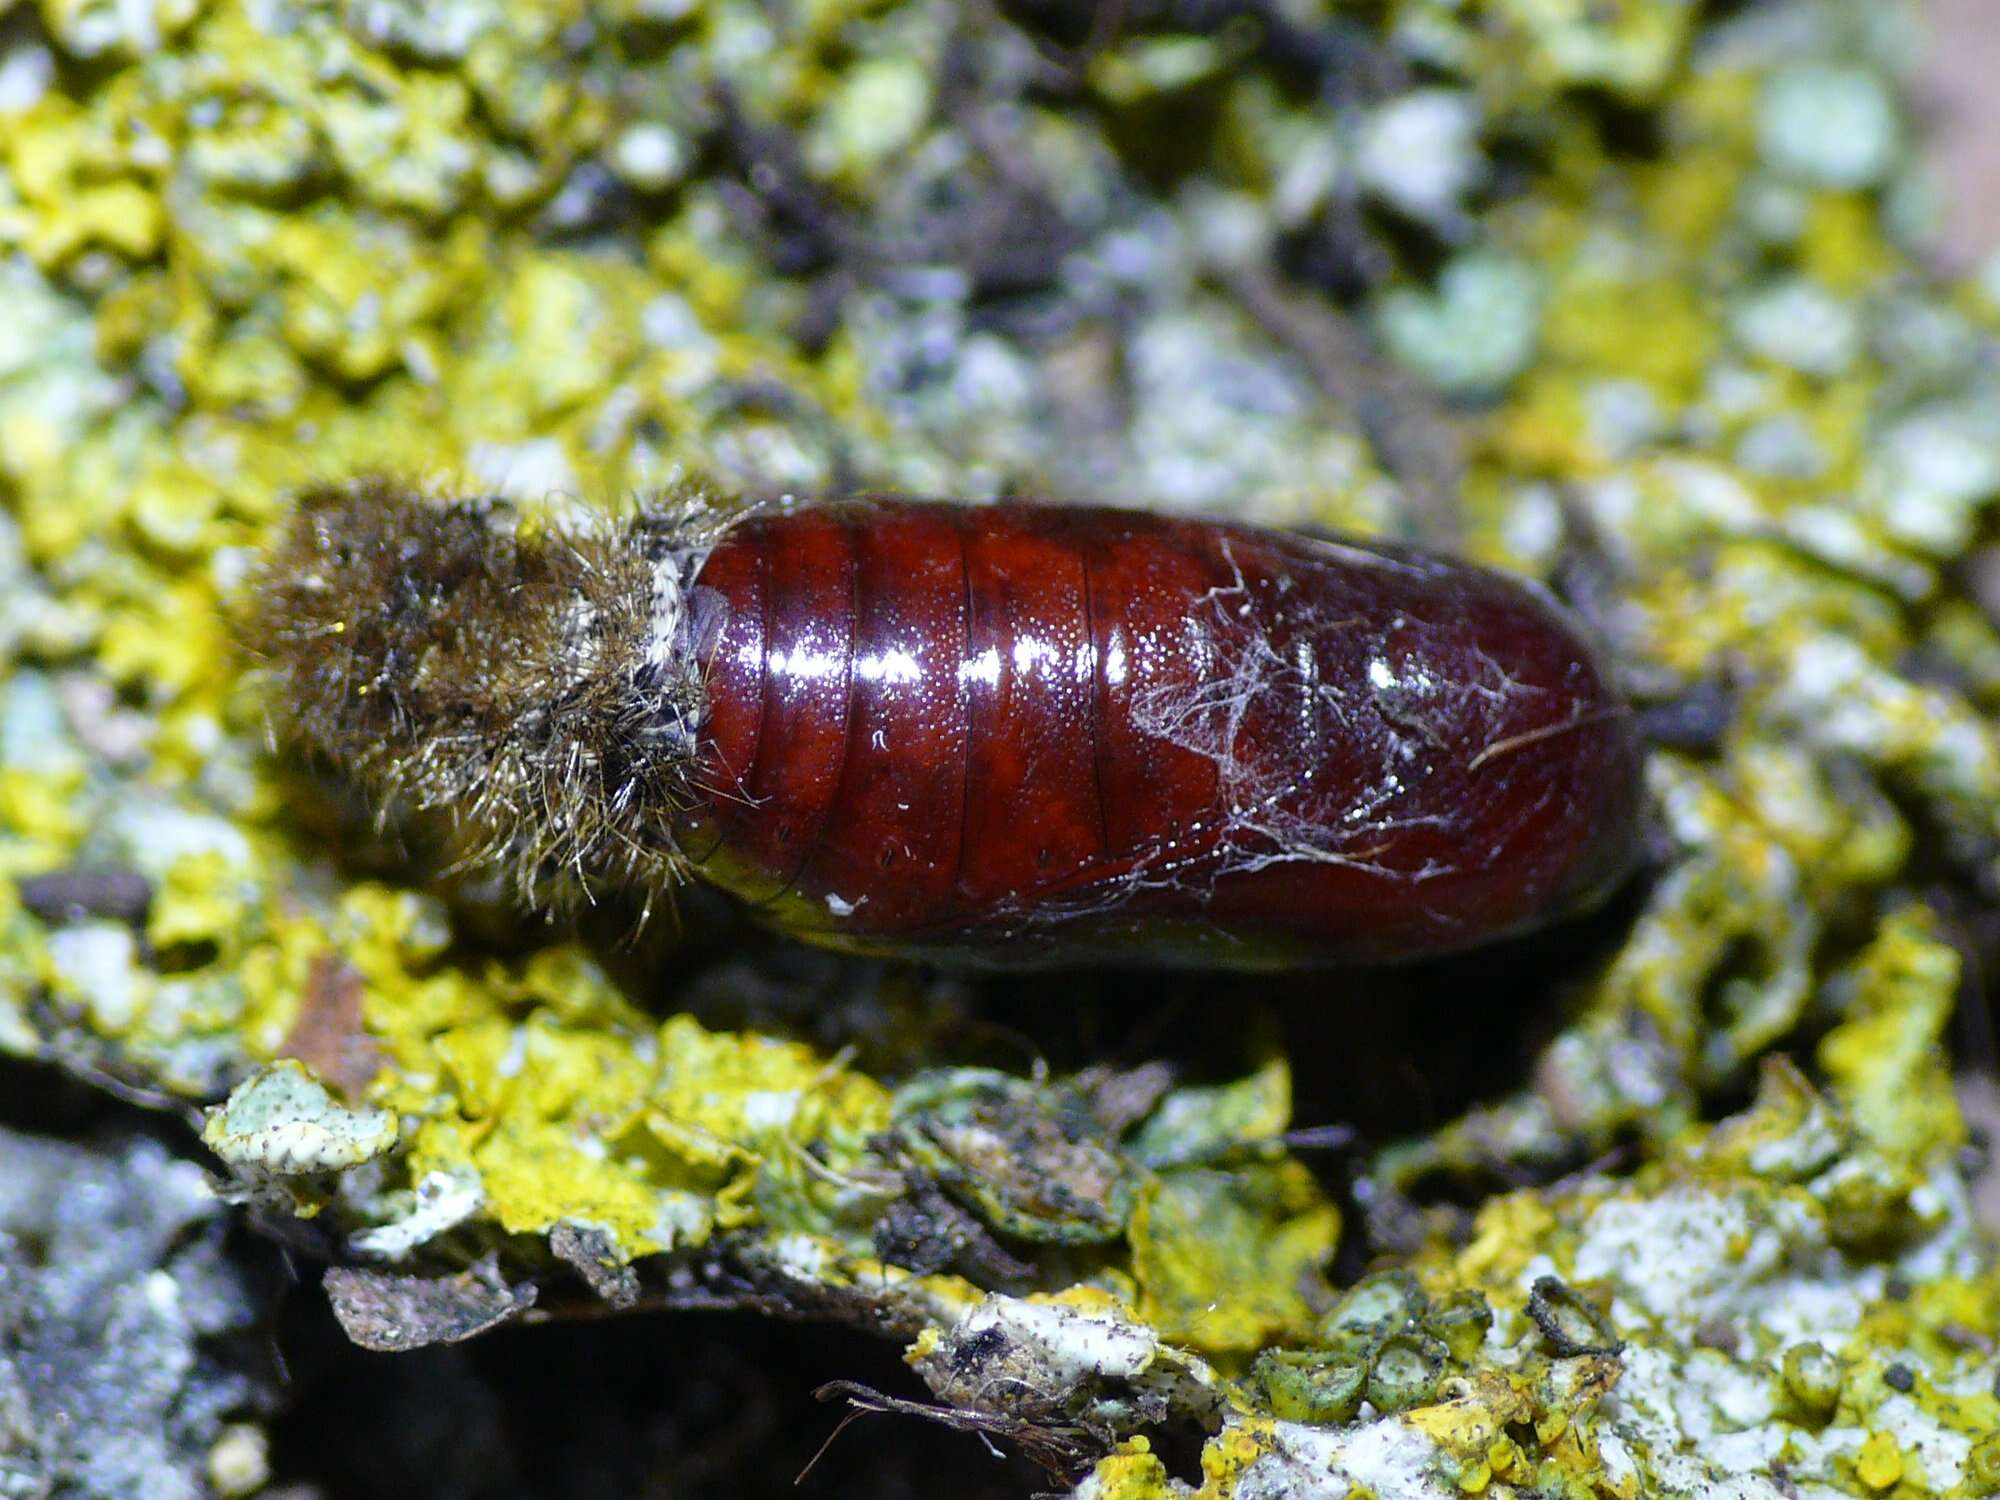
<point>1628,297</point>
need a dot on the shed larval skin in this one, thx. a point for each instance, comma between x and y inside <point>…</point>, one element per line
<point>1030,734</point>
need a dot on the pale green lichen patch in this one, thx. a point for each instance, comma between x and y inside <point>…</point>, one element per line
<point>95,965</point>
<point>1475,334</point>
<point>439,1203</point>
<point>283,1121</point>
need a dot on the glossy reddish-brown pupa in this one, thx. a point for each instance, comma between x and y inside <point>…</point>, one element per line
<point>1006,734</point>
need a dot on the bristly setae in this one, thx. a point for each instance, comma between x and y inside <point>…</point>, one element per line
<point>541,686</point>
<point>1007,734</point>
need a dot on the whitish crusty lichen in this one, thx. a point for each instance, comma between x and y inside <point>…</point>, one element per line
<point>1594,292</point>
<point>124,1363</point>
<point>283,1121</point>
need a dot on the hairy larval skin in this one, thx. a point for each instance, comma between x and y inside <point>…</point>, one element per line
<point>1034,734</point>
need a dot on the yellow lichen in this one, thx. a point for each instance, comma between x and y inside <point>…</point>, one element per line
<point>1224,1259</point>
<point>1879,1464</point>
<point>1131,1472</point>
<point>1225,1456</point>
<point>1885,1060</point>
